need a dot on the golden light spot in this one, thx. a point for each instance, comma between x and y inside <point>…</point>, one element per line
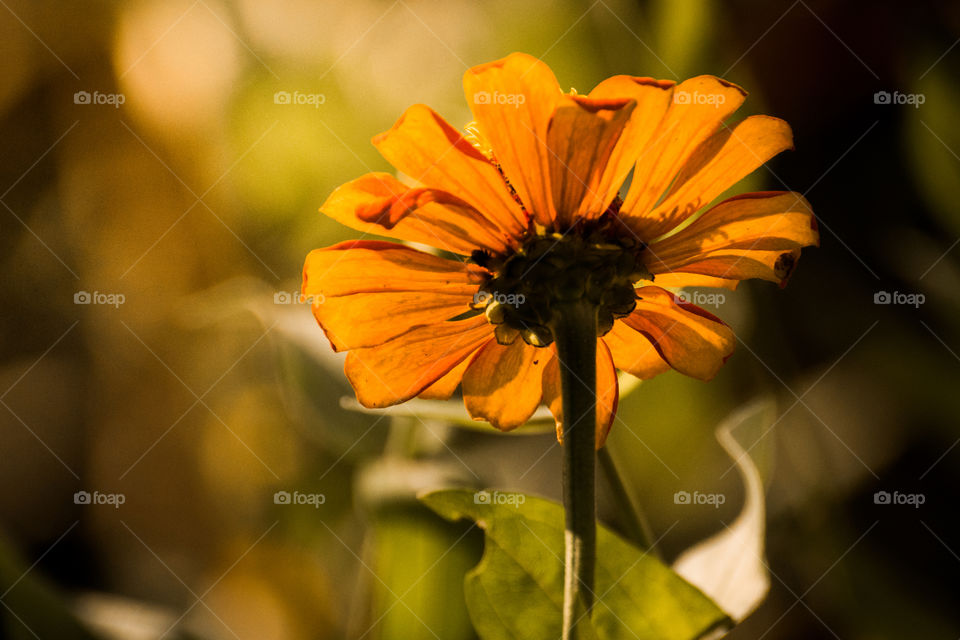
<point>176,62</point>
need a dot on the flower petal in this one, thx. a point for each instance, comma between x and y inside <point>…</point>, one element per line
<point>742,237</point>
<point>698,108</point>
<point>608,392</point>
<point>775,266</point>
<point>582,135</point>
<point>634,353</point>
<point>380,204</point>
<point>443,388</point>
<point>370,266</point>
<point>512,100</point>
<point>693,341</point>
<point>425,147</point>
<point>355,285</point>
<point>679,280</point>
<point>719,163</point>
<point>502,383</point>
<point>653,100</point>
<point>404,367</point>
<point>356,321</point>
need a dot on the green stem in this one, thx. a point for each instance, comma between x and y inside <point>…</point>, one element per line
<point>575,332</point>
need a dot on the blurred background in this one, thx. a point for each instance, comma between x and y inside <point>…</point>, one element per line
<point>160,384</point>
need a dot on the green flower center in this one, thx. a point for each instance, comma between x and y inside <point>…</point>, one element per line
<point>525,288</point>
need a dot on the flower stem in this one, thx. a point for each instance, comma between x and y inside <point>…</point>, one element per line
<point>575,332</point>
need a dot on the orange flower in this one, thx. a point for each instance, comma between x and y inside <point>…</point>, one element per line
<point>525,205</point>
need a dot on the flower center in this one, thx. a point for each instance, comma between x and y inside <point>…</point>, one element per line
<point>525,288</point>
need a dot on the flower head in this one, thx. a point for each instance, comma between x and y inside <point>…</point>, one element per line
<point>526,209</point>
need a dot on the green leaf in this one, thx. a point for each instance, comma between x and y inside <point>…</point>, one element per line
<point>417,564</point>
<point>517,589</point>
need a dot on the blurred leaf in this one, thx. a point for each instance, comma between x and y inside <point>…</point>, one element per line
<point>30,608</point>
<point>932,138</point>
<point>419,563</point>
<point>312,380</point>
<point>517,589</point>
<point>453,412</point>
<point>681,30</point>
<point>730,566</point>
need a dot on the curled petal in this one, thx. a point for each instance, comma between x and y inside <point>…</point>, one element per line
<point>755,235</point>
<point>390,209</point>
<point>380,204</point>
<point>775,266</point>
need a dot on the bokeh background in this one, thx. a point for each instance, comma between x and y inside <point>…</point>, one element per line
<point>183,198</point>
